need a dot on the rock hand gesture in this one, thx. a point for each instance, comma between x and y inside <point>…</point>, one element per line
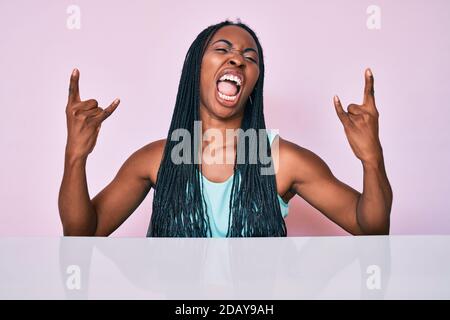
<point>84,119</point>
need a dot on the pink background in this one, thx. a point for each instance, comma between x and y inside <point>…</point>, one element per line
<point>135,49</point>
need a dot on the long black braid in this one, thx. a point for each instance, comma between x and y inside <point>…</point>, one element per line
<point>179,209</point>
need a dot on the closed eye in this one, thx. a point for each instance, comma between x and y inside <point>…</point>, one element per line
<point>226,50</point>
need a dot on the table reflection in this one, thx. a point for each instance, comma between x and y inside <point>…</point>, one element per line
<point>256,268</point>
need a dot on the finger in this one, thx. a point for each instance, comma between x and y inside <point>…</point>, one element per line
<point>355,109</point>
<point>87,105</point>
<point>369,91</point>
<point>355,118</point>
<point>340,111</point>
<point>74,92</point>
<point>111,108</point>
<point>90,113</point>
<point>107,112</point>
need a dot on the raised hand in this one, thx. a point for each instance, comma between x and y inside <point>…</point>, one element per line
<point>361,123</point>
<point>84,119</point>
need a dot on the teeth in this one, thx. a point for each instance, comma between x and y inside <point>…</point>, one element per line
<point>231,78</point>
<point>225,97</point>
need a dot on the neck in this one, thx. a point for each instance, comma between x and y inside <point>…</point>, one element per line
<point>212,125</point>
<point>211,121</point>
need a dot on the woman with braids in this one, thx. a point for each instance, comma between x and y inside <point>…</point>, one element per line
<point>221,86</point>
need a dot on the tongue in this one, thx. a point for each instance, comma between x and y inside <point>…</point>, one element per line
<point>227,87</point>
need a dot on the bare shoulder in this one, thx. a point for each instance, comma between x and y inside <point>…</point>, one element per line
<point>299,164</point>
<point>147,160</point>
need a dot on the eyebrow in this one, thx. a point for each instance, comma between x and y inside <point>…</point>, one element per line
<point>230,44</point>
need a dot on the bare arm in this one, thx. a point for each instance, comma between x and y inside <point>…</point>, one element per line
<point>84,119</point>
<point>375,203</point>
<point>81,216</point>
<point>360,124</point>
<point>120,198</point>
<point>76,211</point>
<point>102,215</point>
<point>312,179</point>
<point>366,213</point>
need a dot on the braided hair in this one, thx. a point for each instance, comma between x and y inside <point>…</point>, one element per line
<point>179,209</point>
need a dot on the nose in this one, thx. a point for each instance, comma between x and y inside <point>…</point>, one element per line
<point>237,60</point>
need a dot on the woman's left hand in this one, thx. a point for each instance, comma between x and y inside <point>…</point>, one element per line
<point>361,124</point>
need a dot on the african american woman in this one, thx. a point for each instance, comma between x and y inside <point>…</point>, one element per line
<point>221,89</point>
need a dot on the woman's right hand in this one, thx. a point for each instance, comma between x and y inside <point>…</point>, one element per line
<point>84,119</point>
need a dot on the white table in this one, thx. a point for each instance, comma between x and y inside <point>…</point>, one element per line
<point>372,267</point>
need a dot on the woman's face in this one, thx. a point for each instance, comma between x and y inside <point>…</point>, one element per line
<point>229,71</point>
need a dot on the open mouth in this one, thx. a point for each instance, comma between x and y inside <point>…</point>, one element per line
<point>229,89</point>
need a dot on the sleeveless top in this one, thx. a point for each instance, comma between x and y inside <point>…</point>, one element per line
<point>217,197</point>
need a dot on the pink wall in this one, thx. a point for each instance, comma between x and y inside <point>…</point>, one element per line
<point>135,49</point>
